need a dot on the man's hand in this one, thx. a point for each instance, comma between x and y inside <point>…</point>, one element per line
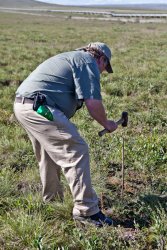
<point>111,126</point>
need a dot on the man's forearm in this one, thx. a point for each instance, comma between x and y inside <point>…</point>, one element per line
<point>97,111</point>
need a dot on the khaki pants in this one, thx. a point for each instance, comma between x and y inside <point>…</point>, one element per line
<point>58,145</point>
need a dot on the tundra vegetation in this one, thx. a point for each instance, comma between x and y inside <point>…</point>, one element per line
<point>138,86</point>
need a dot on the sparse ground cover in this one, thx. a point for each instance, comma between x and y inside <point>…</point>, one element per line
<point>138,86</point>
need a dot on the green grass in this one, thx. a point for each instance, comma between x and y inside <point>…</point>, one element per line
<point>138,86</point>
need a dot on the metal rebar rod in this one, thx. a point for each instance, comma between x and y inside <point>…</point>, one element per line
<point>123,169</point>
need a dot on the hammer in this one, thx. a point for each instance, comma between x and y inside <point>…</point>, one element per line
<point>122,121</point>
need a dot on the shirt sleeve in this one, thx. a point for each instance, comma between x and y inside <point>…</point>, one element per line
<point>87,82</point>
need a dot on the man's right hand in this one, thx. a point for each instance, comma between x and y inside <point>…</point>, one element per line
<point>111,126</point>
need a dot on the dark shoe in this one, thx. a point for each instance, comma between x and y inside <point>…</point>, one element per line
<point>98,220</point>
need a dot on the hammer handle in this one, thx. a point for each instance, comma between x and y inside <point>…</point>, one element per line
<point>104,131</point>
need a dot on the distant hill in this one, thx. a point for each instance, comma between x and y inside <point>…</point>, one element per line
<point>23,4</point>
<point>36,4</point>
<point>141,6</point>
<point>129,6</point>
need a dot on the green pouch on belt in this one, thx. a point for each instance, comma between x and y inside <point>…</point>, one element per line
<point>44,111</point>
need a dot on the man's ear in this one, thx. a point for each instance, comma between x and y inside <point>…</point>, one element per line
<point>98,60</point>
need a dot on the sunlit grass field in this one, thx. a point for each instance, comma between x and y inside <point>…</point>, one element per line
<point>139,86</point>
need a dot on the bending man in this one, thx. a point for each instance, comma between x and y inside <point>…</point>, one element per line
<point>45,102</point>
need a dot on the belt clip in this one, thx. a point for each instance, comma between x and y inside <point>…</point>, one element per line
<point>23,100</point>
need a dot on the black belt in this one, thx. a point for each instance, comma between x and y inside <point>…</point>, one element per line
<point>24,100</point>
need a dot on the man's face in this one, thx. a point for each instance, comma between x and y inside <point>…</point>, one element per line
<point>102,63</point>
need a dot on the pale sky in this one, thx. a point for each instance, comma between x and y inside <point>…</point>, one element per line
<point>87,2</point>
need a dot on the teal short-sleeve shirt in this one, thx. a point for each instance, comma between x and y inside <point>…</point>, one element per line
<point>65,80</point>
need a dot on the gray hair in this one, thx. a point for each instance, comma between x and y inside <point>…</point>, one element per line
<point>96,53</point>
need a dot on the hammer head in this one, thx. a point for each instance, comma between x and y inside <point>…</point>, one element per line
<point>124,118</point>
